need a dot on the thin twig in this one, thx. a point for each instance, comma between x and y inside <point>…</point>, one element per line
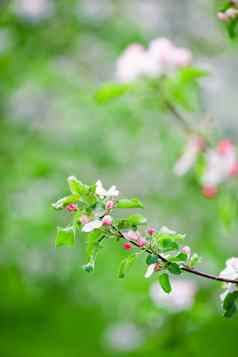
<point>184,268</point>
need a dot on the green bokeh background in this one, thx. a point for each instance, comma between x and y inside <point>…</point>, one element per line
<point>51,127</point>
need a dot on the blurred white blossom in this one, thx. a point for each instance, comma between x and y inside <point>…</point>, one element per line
<point>189,156</point>
<point>124,337</point>
<point>181,297</point>
<point>220,164</point>
<point>161,57</point>
<point>33,9</point>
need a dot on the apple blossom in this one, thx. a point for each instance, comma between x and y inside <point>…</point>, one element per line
<point>71,207</point>
<point>151,231</point>
<point>107,220</point>
<point>109,205</point>
<point>89,227</point>
<point>181,297</point>
<point>102,192</point>
<point>230,272</point>
<point>187,250</point>
<point>189,156</point>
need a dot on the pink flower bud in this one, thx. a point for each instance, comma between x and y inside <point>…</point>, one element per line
<point>71,208</point>
<point>107,220</point>
<point>222,16</point>
<point>84,219</point>
<point>209,191</point>
<point>225,147</point>
<point>186,250</point>
<point>109,204</point>
<point>151,231</point>
<point>127,246</point>
<point>234,170</point>
<point>141,242</point>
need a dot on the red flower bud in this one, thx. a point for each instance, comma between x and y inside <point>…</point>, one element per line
<point>127,246</point>
<point>209,191</point>
<point>71,208</point>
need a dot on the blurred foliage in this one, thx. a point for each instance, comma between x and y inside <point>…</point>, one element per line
<point>52,127</point>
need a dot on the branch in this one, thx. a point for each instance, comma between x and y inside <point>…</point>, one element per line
<point>184,268</point>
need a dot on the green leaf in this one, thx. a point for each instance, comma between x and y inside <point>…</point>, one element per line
<point>129,203</point>
<point>231,27</point>
<point>136,219</point>
<point>93,246</point>
<point>65,236</point>
<point>180,257</point>
<point>151,259</point>
<point>77,187</point>
<point>191,73</point>
<point>125,265</point>
<point>111,91</point>
<point>229,304</point>
<point>167,243</point>
<point>174,268</point>
<point>165,283</point>
<point>65,201</point>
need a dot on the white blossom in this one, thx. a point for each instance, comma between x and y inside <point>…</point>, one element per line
<point>180,298</point>
<point>124,337</point>
<point>89,227</point>
<point>131,64</point>
<point>150,270</point>
<point>189,156</point>
<point>33,9</point>
<point>166,230</point>
<point>230,272</point>
<point>102,192</point>
<point>219,167</point>
<point>161,57</point>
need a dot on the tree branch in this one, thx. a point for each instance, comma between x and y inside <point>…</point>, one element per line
<point>184,268</point>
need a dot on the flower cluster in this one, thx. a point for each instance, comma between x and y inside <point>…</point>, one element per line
<point>93,209</point>
<point>230,12</point>
<point>161,58</point>
<point>220,163</point>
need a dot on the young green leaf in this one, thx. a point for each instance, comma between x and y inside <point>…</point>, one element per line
<point>229,304</point>
<point>165,283</point>
<point>136,219</point>
<point>125,265</point>
<point>65,236</point>
<point>129,203</point>
<point>77,187</point>
<point>151,259</point>
<point>111,91</point>
<point>174,268</point>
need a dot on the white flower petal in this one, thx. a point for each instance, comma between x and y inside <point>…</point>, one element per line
<point>166,230</point>
<point>92,225</point>
<point>150,270</point>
